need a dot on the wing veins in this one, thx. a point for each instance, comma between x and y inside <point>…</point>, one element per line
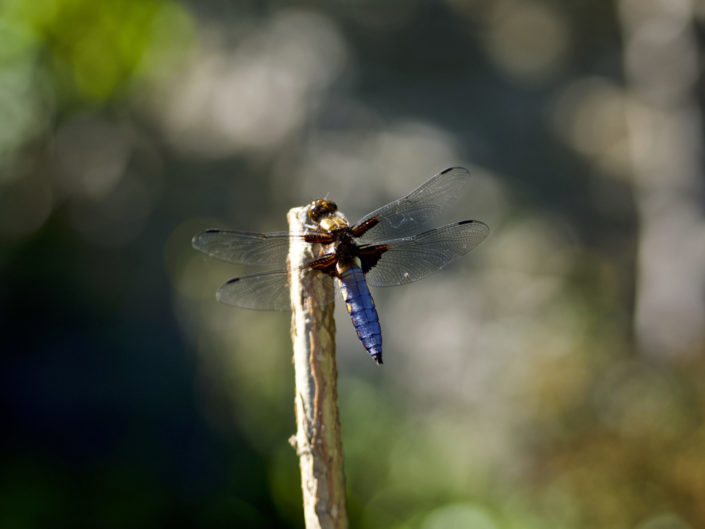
<point>409,259</point>
<point>413,212</point>
<point>247,248</point>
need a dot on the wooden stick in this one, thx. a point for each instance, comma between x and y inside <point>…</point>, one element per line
<point>318,439</point>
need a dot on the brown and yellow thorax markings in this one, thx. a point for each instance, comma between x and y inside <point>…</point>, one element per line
<point>336,232</point>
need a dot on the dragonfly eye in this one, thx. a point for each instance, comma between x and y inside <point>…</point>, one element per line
<point>321,208</point>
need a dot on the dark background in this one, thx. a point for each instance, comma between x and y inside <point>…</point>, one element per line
<point>553,378</point>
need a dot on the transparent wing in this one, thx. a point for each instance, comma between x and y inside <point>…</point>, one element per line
<point>412,213</point>
<point>244,248</point>
<point>412,258</point>
<point>268,291</point>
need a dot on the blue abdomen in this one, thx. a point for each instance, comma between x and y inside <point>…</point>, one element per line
<point>362,310</point>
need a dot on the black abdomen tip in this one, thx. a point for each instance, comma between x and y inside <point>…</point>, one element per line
<point>378,358</point>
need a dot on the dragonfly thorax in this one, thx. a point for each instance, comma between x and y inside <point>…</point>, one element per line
<point>346,249</point>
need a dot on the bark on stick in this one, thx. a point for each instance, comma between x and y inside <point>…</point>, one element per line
<point>318,439</point>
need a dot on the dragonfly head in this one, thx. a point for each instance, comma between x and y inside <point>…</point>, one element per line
<point>324,215</point>
<point>320,209</point>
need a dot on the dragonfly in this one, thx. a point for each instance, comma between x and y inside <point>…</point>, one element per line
<point>390,246</point>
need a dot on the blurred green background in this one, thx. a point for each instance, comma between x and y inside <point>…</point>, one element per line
<point>552,379</point>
